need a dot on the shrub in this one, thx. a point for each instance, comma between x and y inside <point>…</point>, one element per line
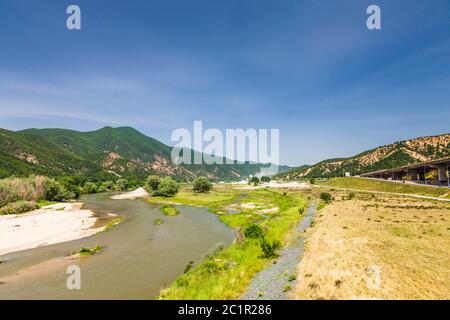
<point>108,185</point>
<point>167,188</point>
<point>71,186</point>
<point>18,189</point>
<point>312,181</point>
<point>90,187</point>
<point>32,190</point>
<point>254,231</point>
<point>18,207</point>
<point>152,183</point>
<point>169,210</point>
<point>121,185</point>
<point>101,187</point>
<point>325,197</point>
<point>265,179</point>
<point>54,191</point>
<point>351,195</point>
<point>269,249</point>
<point>321,206</point>
<point>212,267</point>
<point>201,185</point>
<point>287,288</point>
<point>301,210</point>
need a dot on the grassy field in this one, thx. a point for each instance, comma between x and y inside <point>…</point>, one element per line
<point>384,186</point>
<point>377,246</point>
<point>225,273</point>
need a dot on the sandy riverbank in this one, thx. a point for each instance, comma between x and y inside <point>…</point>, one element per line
<point>133,195</point>
<point>52,224</point>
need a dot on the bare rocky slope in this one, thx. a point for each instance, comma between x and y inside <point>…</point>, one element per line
<point>389,156</point>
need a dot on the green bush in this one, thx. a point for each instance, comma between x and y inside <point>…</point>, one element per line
<point>254,231</point>
<point>18,207</point>
<point>265,179</point>
<point>167,188</point>
<point>202,184</point>
<point>169,210</point>
<point>121,185</point>
<point>54,191</point>
<point>152,183</point>
<point>269,249</point>
<point>90,187</point>
<point>326,197</point>
<point>71,186</point>
<point>108,185</point>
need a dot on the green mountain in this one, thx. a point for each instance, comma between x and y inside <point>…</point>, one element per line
<point>389,156</point>
<point>103,154</point>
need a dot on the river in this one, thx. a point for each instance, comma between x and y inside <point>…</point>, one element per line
<point>139,257</point>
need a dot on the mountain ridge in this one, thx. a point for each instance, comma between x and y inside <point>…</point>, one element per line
<point>104,153</point>
<point>392,155</point>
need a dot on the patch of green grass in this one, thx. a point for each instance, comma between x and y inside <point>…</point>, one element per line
<point>287,288</point>
<point>158,222</point>
<point>169,210</point>
<point>113,223</point>
<point>383,186</point>
<point>321,206</point>
<point>401,232</point>
<point>226,274</point>
<point>43,203</point>
<point>85,251</point>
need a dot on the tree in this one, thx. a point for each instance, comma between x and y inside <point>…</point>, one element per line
<point>54,191</point>
<point>121,185</point>
<point>254,180</point>
<point>167,188</point>
<point>90,187</point>
<point>265,179</point>
<point>71,184</point>
<point>152,183</point>
<point>202,184</point>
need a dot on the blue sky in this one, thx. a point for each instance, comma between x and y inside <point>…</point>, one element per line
<point>310,68</point>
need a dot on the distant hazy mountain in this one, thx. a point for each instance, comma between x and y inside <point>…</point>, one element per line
<point>104,153</point>
<point>385,157</point>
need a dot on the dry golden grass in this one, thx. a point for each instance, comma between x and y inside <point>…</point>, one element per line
<point>405,241</point>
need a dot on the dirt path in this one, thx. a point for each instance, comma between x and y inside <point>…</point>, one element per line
<point>274,282</point>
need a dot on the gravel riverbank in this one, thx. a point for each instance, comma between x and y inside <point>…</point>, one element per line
<point>274,282</point>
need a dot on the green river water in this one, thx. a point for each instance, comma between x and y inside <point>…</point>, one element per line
<point>139,257</point>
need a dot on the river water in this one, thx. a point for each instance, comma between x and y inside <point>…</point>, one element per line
<point>139,257</point>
